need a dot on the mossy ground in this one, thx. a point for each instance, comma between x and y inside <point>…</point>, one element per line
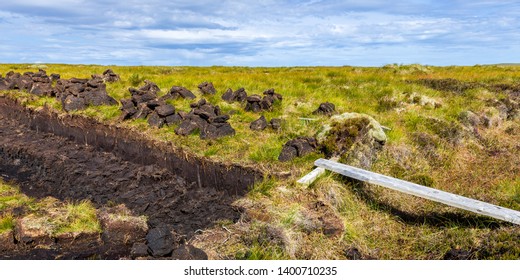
<point>427,144</point>
<point>57,217</point>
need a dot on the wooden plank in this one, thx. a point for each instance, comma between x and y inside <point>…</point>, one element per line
<point>454,200</point>
<point>308,179</point>
<point>311,176</point>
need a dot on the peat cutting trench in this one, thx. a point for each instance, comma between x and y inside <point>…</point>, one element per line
<point>72,157</point>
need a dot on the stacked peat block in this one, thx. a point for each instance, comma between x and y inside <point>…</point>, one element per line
<point>174,93</point>
<point>145,104</point>
<point>178,92</point>
<point>161,115</point>
<point>253,103</point>
<point>78,94</point>
<point>326,108</point>
<point>256,103</point>
<point>207,88</point>
<point>142,103</point>
<point>36,83</point>
<point>74,94</point>
<point>206,118</point>
<point>261,124</point>
<point>298,147</point>
<point>231,96</point>
<point>55,77</point>
<point>275,123</point>
<point>109,76</point>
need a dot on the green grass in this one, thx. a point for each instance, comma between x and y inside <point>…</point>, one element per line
<point>11,197</point>
<point>78,217</point>
<point>57,217</point>
<point>6,223</point>
<point>103,113</point>
<point>264,187</point>
<point>261,252</point>
<point>509,189</point>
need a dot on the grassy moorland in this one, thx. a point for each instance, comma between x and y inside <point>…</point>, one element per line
<point>452,128</point>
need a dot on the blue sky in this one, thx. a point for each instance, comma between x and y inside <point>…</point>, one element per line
<point>260,33</point>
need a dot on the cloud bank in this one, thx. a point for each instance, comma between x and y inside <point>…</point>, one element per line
<point>261,33</point>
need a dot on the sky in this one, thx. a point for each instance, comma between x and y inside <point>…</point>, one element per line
<point>260,33</point>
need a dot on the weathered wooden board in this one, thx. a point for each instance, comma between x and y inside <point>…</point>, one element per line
<point>310,177</point>
<point>454,200</point>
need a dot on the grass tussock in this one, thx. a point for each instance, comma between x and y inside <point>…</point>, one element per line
<point>47,214</point>
<point>79,217</point>
<point>6,223</point>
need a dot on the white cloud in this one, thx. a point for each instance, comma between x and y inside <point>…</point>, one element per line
<point>190,36</point>
<point>47,3</point>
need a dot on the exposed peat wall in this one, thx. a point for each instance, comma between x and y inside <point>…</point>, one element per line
<point>130,146</point>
